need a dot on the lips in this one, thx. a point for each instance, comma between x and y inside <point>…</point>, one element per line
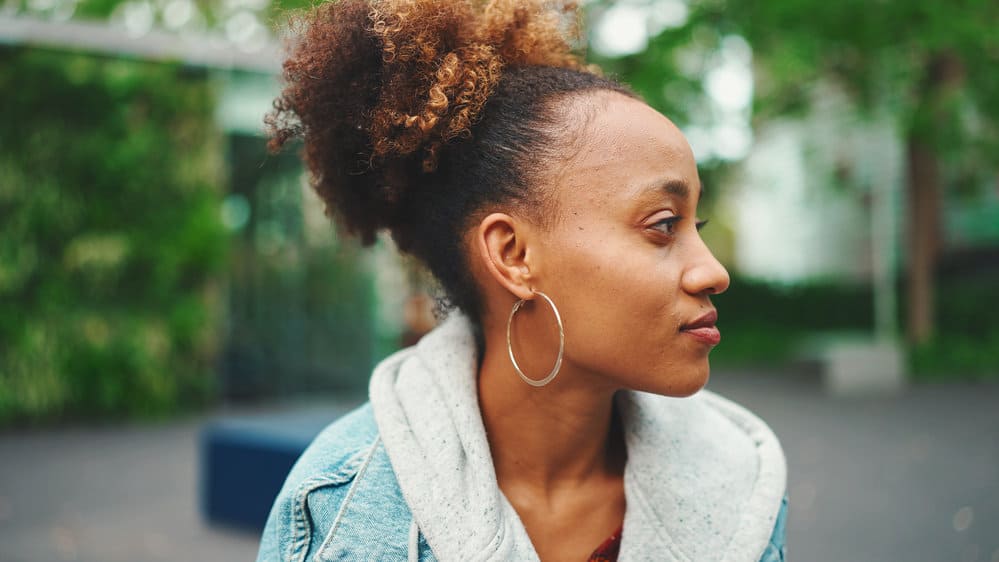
<point>703,329</point>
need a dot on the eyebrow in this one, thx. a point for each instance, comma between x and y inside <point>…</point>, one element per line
<point>675,187</point>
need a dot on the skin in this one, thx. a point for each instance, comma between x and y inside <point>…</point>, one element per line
<point>626,266</point>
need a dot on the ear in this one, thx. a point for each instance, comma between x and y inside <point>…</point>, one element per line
<point>502,243</point>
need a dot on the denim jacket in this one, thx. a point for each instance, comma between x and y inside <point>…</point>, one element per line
<point>409,476</point>
<point>342,502</point>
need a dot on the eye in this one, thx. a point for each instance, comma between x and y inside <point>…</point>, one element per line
<point>666,225</point>
<point>700,224</point>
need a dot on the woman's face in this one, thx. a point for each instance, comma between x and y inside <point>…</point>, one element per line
<point>623,260</point>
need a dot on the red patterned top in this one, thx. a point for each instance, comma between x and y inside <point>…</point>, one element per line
<point>607,552</point>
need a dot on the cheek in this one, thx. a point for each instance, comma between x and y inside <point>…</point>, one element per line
<point>618,302</point>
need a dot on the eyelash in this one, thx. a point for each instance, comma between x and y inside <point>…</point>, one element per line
<point>670,223</point>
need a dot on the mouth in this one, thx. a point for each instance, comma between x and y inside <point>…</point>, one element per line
<point>703,329</point>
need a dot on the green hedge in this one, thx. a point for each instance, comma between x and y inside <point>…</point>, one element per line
<point>110,237</point>
<point>769,325</point>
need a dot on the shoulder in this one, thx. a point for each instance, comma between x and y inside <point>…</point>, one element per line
<point>337,448</point>
<point>320,499</point>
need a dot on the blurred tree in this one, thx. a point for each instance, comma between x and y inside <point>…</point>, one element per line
<point>928,65</point>
<point>111,241</point>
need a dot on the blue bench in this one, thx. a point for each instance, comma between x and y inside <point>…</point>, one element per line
<point>245,459</point>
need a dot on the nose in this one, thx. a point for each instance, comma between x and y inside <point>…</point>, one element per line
<point>705,274</point>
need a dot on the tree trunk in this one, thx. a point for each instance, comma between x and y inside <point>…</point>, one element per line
<point>944,75</point>
<point>923,188</point>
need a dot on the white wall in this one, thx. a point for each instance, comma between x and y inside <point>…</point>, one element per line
<point>803,207</point>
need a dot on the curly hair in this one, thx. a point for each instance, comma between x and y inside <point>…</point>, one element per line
<point>418,114</point>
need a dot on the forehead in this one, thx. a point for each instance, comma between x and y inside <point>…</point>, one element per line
<point>624,147</point>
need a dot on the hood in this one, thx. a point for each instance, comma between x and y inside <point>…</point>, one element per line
<point>704,478</point>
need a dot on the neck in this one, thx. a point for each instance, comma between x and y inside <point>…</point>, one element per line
<point>553,438</point>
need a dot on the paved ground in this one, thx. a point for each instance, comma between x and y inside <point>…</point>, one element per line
<point>913,478</point>
<point>108,495</point>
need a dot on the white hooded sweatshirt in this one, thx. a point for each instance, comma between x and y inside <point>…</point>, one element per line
<point>704,480</point>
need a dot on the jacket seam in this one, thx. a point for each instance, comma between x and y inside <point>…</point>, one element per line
<point>298,548</point>
<point>350,495</point>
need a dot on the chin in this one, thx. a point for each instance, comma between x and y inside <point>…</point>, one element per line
<point>691,388</point>
<point>679,385</point>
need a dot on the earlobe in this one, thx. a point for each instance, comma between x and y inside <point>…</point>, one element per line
<point>503,248</point>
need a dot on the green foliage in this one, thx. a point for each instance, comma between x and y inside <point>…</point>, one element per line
<point>930,65</point>
<point>925,67</point>
<point>770,324</point>
<point>110,241</point>
<point>658,74</point>
<point>957,357</point>
<point>967,342</point>
<point>889,56</point>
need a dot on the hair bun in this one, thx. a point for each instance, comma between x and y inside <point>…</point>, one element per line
<point>442,60</point>
<point>375,85</point>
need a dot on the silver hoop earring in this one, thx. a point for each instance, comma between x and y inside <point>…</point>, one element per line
<point>561,343</point>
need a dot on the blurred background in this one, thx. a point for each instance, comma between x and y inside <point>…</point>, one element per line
<point>178,317</point>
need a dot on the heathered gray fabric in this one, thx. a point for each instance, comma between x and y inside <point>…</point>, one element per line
<point>704,479</point>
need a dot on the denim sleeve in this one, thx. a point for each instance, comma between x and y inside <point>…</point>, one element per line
<point>303,513</point>
<point>316,487</point>
<point>775,550</point>
<point>274,540</point>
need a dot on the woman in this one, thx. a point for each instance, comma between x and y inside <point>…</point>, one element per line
<point>551,415</point>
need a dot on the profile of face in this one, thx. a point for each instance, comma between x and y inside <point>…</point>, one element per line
<point>622,258</point>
